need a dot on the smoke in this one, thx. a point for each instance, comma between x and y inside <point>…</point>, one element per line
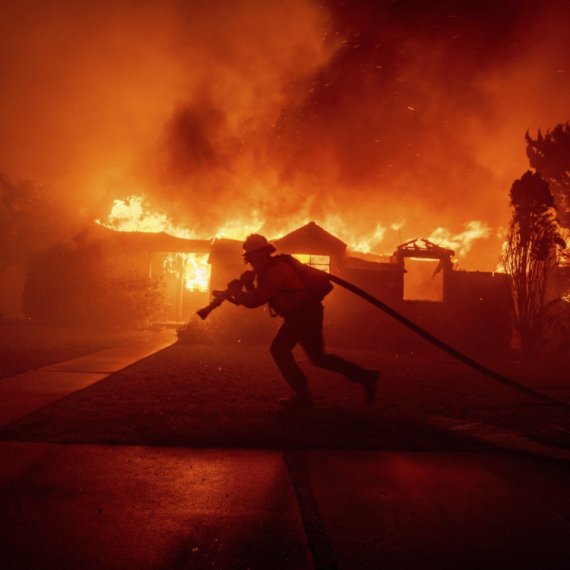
<point>362,116</point>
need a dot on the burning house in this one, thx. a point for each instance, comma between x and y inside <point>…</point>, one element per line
<point>470,310</point>
<point>180,262</point>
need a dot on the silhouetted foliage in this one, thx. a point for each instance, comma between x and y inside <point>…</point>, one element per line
<point>549,155</point>
<point>30,219</point>
<point>68,286</point>
<point>530,254</point>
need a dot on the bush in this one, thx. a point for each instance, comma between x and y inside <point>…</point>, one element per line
<point>197,331</point>
<point>68,286</point>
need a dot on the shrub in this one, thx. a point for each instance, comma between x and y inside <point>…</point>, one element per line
<point>197,331</point>
<point>70,286</point>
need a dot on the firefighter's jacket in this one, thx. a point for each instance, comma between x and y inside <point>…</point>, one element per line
<point>278,285</point>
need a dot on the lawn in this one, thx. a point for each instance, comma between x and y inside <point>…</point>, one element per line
<point>25,346</point>
<point>221,395</point>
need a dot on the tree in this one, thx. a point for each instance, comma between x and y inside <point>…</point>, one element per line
<point>549,154</point>
<point>67,285</point>
<point>30,219</point>
<point>530,254</point>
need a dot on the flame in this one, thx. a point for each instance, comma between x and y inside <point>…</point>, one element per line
<point>322,262</point>
<point>239,229</point>
<point>193,267</point>
<point>564,255</point>
<point>133,215</point>
<point>461,243</point>
<point>197,271</point>
<point>369,242</point>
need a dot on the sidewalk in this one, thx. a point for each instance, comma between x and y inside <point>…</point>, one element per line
<point>24,393</point>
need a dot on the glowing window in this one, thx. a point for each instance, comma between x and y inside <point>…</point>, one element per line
<point>420,282</point>
<point>197,271</point>
<point>192,268</point>
<point>322,262</point>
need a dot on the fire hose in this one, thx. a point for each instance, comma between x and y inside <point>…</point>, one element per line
<point>221,296</point>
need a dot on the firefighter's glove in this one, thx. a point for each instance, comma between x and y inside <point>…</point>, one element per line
<point>234,287</point>
<point>247,279</point>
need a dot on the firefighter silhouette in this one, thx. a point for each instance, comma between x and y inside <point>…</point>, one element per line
<point>276,282</point>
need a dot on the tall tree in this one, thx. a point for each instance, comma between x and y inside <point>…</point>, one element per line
<point>530,253</point>
<point>549,154</point>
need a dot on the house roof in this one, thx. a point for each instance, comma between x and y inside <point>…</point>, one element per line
<point>226,251</point>
<point>158,241</point>
<point>310,239</point>
<point>422,248</point>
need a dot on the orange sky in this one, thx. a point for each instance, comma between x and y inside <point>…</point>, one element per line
<point>391,117</point>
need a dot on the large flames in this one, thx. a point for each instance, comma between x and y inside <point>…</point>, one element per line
<point>132,215</point>
<point>135,215</point>
<point>192,268</point>
<point>262,116</point>
<point>197,272</point>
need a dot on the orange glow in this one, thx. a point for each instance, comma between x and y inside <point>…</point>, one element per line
<point>564,255</point>
<point>132,215</point>
<point>322,262</point>
<point>197,272</point>
<point>237,117</point>
<point>461,243</point>
<point>420,282</point>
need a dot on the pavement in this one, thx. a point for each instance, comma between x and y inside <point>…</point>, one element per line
<point>122,507</point>
<point>24,393</point>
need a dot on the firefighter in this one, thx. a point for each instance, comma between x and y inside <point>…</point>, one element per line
<point>275,282</point>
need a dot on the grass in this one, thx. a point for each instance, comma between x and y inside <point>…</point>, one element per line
<point>224,395</point>
<point>25,346</point>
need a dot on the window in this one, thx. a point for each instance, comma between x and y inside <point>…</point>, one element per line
<point>322,262</point>
<point>196,271</point>
<point>420,283</point>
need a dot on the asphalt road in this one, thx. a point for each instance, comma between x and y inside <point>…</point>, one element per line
<point>78,506</point>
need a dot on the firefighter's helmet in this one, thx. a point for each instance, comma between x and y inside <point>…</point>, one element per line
<point>256,242</point>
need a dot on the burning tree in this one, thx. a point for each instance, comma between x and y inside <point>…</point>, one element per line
<point>549,154</point>
<point>530,254</point>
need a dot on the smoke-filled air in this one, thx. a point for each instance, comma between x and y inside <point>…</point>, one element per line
<point>382,121</point>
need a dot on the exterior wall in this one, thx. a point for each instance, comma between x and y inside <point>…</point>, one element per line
<point>386,283</point>
<point>474,316</point>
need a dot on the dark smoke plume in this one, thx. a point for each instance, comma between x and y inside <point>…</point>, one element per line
<point>387,118</point>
